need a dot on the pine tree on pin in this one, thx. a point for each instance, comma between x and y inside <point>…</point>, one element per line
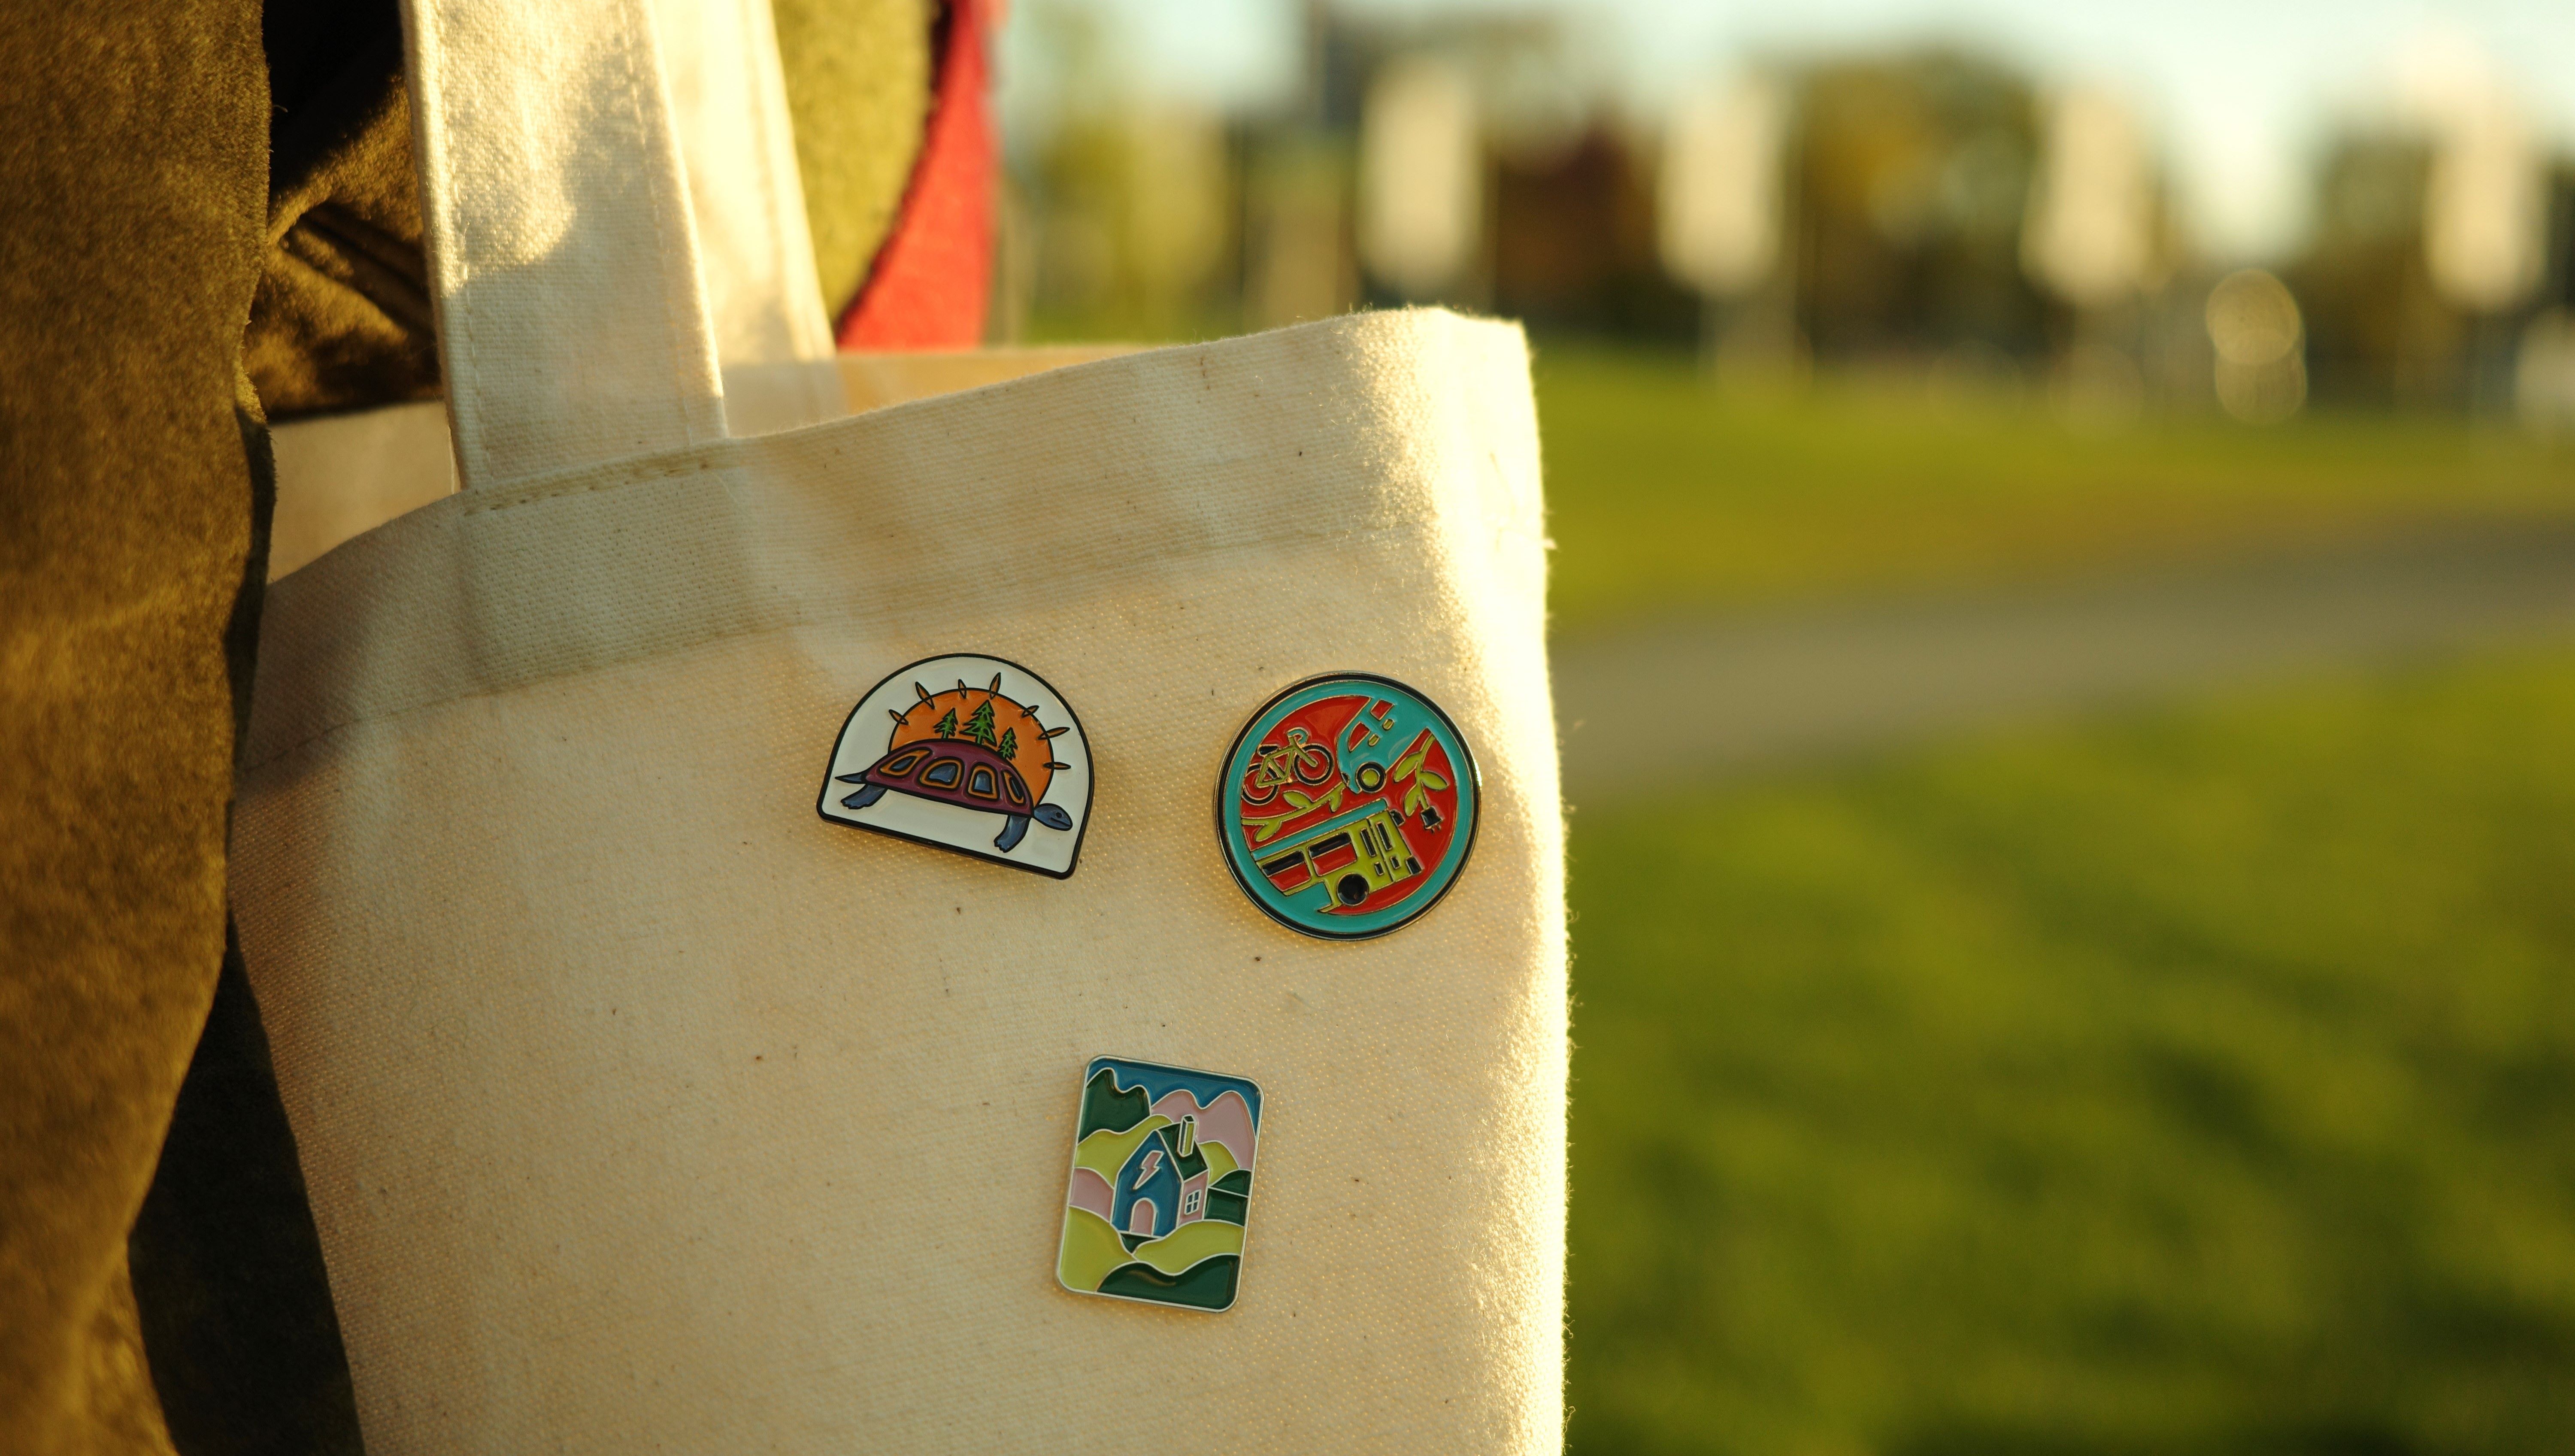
<point>1009,747</point>
<point>979,727</point>
<point>946,727</point>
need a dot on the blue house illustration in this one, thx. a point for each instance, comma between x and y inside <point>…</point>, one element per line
<point>1163,1185</point>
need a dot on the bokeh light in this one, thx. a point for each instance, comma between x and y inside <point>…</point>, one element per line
<point>2254,324</point>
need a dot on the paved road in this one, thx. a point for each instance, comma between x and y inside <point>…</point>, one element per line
<point>1700,700</point>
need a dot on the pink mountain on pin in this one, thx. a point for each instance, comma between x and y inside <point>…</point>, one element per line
<point>1092,1192</point>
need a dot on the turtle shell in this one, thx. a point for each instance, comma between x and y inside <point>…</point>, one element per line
<point>952,770</point>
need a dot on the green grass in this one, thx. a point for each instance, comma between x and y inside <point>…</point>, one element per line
<point>2198,1082</point>
<point>1667,493</point>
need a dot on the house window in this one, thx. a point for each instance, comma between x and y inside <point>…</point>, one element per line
<point>1190,1200</point>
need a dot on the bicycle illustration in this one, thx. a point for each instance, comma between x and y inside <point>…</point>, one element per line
<point>1275,766</point>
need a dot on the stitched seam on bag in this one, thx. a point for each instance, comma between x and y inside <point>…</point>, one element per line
<point>515,685</point>
<point>531,494</point>
<point>797,618</point>
<point>524,493</point>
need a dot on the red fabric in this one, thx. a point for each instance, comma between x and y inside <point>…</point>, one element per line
<point>929,286</point>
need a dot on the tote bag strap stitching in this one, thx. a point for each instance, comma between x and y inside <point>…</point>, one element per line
<point>587,481</point>
<point>775,616</point>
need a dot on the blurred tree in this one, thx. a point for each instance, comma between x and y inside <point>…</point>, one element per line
<point>1297,258</point>
<point>1132,211</point>
<point>1129,204</point>
<point>2379,331</point>
<point>1912,176</point>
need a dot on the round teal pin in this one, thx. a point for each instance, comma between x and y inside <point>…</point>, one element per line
<point>1348,806</point>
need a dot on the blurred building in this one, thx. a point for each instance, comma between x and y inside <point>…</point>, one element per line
<point>1574,242</point>
<point>1932,211</point>
<point>1491,174</point>
<point>1473,159</point>
<point>1455,159</point>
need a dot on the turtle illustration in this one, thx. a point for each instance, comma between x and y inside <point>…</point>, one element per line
<point>973,748</point>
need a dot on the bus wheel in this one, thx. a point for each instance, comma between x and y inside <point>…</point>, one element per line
<point>1352,889</point>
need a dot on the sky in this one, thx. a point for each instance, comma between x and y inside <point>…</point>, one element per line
<point>2238,93</point>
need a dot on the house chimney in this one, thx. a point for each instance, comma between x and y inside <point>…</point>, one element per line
<point>1189,1136</point>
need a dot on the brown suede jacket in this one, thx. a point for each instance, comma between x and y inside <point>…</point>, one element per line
<point>207,222</point>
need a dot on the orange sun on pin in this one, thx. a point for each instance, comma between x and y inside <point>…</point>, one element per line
<point>982,715</point>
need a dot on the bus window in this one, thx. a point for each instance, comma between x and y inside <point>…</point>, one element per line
<point>1288,872</point>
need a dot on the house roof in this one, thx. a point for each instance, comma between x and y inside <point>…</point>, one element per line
<point>1169,1139</point>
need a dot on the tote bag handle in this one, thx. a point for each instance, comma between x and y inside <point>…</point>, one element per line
<point>572,316</point>
<point>754,247</point>
<point>737,144</point>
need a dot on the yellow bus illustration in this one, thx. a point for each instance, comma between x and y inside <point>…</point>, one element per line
<point>1351,857</point>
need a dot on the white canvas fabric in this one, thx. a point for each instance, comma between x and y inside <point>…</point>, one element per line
<point>641,1109</point>
<point>340,476</point>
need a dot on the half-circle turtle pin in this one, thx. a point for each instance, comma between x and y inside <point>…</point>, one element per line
<point>972,753</point>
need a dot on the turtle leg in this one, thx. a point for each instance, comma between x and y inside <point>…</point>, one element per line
<point>1014,828</point>
<point>864,797</point>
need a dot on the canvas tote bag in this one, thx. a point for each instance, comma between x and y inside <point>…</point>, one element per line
<point>642,1109</point>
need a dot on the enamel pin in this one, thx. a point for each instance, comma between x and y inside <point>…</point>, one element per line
<point>1162,1184</point>
<point>1348,806</point>
<point>950,751</point>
